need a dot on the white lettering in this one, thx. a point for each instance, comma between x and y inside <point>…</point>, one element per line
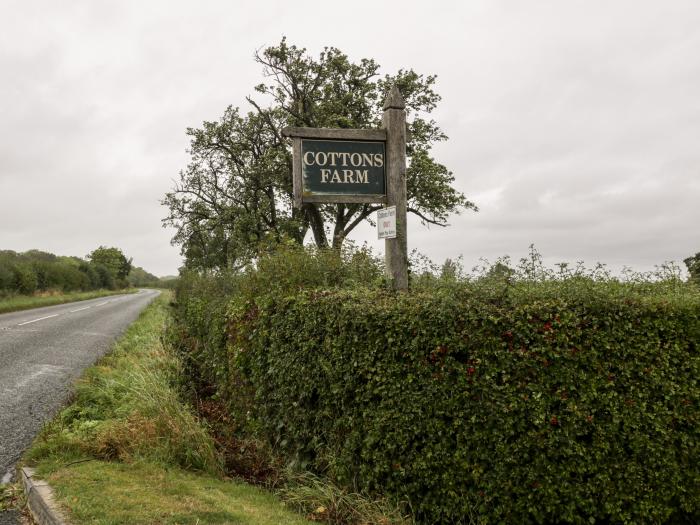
<point>324,175</point>
<point>308,162</point>
<point>318,158</point>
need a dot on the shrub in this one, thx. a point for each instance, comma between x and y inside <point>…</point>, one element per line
<point>25,280</point>
<point>106,279</point>
<point>535,408</point>
<point>492,400</point>
<point>7,278</point>
<point>34,270</point>
<point>203,300</point>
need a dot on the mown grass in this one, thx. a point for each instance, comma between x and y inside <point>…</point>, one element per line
<point>109,493</point>
<point>26,302</point>
<point>128,450</point>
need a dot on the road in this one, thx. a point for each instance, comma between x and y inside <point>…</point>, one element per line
<point>42,351</point>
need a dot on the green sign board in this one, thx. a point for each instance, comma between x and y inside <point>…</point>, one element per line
<point>358,166</point>
<point>338,165</point>
<point>342,167</point>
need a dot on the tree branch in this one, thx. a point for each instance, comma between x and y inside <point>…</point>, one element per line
<point>426,219</point>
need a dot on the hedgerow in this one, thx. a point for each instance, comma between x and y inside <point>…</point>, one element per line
<point>491,400</point>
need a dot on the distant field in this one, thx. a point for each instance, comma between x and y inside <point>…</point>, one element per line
<point>25,302</point>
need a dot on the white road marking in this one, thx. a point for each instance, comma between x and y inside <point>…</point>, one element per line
<point>40,319</point>
<point>102,303</point>
<point>80,309</point>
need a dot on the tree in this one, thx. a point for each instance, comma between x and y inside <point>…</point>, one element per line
<point>114,261</point>
<point>236,191</point>
<point>693,265</point>
<point>140,277</point>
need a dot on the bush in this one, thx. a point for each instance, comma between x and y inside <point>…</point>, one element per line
<point>92,276</point>
<point>25,280</point>
<point>37,271</point>
<point>106,279</point>
<point>7,278</point>
<point>204,300</point>
<point>492,400</point>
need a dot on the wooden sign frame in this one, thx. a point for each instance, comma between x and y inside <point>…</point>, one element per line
<point>393,133</point>
<point>357,135</point>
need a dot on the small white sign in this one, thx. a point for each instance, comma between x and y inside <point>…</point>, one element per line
<point>386,223</point>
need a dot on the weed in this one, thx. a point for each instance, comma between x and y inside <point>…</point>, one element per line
<point>322,500</point>
<point>10,496</point>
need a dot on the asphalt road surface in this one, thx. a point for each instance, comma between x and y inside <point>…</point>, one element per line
<point>42,351</point>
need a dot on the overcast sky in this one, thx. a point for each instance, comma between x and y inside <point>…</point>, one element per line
<point>574,125</point>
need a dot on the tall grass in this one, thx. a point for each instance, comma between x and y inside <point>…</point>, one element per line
<point>323,500</point>
<point>128,407</point>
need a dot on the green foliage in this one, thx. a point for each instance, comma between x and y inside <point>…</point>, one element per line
<point>237,190</point>
<point>60,274</point>
<point>36,271</point>
<point>128,407</point>
<point>693,265</point>
<point>25,281</point>
<point>144,493</point>
<point>514,397</point>
<point>114,261</point>
<point>140,277</point>
<point>11,496</point>
<point>324,501</point>
<point>167,282</point>
<point>541,405</point>
<point>203,300</point>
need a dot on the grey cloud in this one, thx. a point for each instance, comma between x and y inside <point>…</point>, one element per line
<point>573,125</point>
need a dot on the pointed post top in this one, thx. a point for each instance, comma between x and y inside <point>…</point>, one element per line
<point>394,100</point>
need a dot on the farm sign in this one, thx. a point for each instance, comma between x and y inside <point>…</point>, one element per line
<point>342,167</point>
<point>359,166</point>
<point>338,165</point>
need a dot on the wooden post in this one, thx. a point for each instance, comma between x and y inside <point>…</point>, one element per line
<point>396,250</point>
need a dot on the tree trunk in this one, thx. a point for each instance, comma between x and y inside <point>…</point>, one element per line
<point>316,222</point>
<point>339,229</point>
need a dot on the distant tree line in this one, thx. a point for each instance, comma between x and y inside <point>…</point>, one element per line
<point>38,271</point>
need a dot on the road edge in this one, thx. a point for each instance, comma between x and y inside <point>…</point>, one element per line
<point>61,300</point>
<point>40,500</point>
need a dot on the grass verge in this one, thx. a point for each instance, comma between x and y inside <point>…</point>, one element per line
<point>100,492</point>
<point>26,302</point>
<point>128,450</point>
<point>322,500</point>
